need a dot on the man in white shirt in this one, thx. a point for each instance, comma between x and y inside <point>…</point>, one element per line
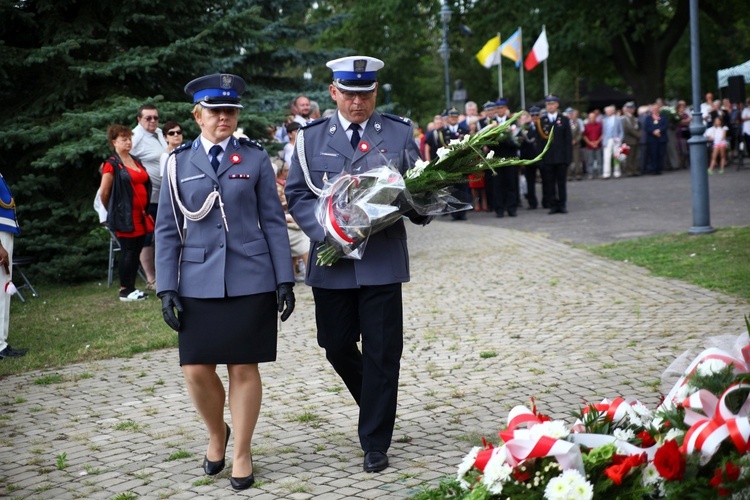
<point>612,136</point>
<point>302,105</point>
<point>148,146</point>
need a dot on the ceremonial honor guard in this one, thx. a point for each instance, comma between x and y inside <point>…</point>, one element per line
<point>554,164</point>
<point>357,298</point>
<point>222,261</point>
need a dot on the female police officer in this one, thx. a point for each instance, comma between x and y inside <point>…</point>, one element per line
<point>222,261</point>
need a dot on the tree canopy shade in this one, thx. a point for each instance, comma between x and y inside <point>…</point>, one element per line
<point>72,67</point>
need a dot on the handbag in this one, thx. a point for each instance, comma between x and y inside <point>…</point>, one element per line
<point>149,222</point>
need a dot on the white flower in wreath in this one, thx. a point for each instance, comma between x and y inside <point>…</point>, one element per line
<point>710,367</point>
<point>466,465</point>
<point>569,485</point>
<point>496,472</point>
<point>454,142</point>
<point>624,434</point>
<point>644,414</point>
<point>554,429</point>
<point>490,155</point>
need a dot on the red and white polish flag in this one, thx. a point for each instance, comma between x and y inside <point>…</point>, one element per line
<point>539,52</point>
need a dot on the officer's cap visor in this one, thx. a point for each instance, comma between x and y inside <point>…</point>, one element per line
<point>355,85</point>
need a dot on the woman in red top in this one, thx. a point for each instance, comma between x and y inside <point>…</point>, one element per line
<point>126,198</point>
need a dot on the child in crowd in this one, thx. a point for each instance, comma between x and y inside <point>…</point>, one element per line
<point>718,136</point>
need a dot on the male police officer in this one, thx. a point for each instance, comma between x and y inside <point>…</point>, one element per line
<point>357,297</point>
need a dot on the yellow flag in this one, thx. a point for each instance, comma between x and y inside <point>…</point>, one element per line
<point>489,55</point>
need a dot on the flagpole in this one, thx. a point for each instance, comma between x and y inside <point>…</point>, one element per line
<point>546,86</point>
<point>500,68</point>
<point>520,67</point>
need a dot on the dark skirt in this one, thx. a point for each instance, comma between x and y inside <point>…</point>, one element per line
<point>232,330</point>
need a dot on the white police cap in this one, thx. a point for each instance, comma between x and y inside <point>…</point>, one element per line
<point>216,91</point>
<point>355,73</point>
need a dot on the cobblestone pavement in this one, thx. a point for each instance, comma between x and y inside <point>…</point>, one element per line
<point>493,316</point>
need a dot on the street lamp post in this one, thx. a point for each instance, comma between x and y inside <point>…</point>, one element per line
<point>445,17</point>
<point>387,87</point>
<point>697,142</point>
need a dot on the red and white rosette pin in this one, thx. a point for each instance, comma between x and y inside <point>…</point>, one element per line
<point>235,158</point>
<point>364,147</point>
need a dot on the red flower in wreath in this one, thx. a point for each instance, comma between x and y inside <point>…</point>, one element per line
<point>622,466</point>
<point>235,158</point>
<point>669,462</point>
<point>646,439</point>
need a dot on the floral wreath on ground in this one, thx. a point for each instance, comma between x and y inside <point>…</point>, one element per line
<point>695,444</point>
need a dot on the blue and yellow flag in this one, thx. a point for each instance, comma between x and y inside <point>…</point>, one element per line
<point>511,48</point>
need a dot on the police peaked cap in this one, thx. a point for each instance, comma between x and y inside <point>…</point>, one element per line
<point>216,91</point>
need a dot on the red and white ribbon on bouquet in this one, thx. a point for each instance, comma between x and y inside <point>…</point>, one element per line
<point>717,423</point>
<point>614,410</point>
<point>331,221</point>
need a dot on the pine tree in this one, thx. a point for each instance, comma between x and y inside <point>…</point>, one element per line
<point>73,67</point>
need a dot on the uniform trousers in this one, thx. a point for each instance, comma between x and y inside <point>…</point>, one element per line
<point>554,187</point>
<point>374,313</point>
<point>505,190</point>
<point>6,239</point>
<point>529,171</point>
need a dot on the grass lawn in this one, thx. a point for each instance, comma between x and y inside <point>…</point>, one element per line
<point>70,324</point>
<point>719,261</point>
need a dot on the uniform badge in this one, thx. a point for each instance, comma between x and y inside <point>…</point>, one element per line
<point>377,127</point>
<point>360,65</point>
<point>226,82</point>
<point>235,158</point>
<point>364,147</point>
<point>332,129</point>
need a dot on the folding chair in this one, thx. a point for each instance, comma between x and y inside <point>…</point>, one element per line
<point>17,263</point>
<point>114,247</point>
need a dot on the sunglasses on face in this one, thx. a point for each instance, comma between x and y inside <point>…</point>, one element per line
<point>350,96</point>
<point>151,118</point>
<point>174,132</point>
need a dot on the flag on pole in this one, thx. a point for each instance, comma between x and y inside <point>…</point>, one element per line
<point>489,55</point>
<point>539,52</point>
<point>511,48</point>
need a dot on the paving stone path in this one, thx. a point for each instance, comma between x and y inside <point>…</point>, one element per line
<point>493,316</point>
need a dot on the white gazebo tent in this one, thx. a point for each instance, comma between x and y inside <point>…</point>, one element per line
<point>741,70</point>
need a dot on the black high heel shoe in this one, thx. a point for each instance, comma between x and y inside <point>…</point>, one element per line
<point>242,483</point>
<point>213,468</point>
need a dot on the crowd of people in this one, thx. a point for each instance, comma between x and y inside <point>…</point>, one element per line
<point>604,144</point>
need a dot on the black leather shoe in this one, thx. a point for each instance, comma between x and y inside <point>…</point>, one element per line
<point>562,210</point>
<point>9,352</point>
<point>552,211</point>
<point>512,214</point>
<point>375,461</point>
<point>242,483</point>
<point>213,468</point>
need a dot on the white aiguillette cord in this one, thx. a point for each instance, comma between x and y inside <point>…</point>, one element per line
<point>203,211</point>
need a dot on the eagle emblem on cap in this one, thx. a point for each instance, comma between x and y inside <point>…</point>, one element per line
<point>360,65</point>
<point>226,81</point>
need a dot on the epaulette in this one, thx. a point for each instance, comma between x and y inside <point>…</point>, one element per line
<point>250,142</point>
<point>182,147</point>
<point>314,122</point>
<point>397,118</point>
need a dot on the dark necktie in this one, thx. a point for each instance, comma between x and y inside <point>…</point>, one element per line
<point>215,151</point>
<point>355,135</point>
